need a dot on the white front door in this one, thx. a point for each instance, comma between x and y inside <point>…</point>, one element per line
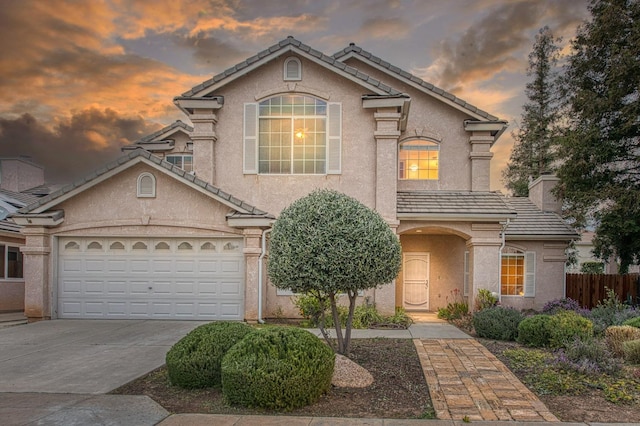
<point>415,278</point>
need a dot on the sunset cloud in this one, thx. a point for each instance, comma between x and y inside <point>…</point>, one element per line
<point>86,77</point>
<point>86,141</point>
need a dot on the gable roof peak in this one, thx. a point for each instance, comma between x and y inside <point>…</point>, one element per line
<point>355,51</point>
<point>288,44</point>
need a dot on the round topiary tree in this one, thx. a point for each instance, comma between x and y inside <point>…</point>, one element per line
<point>279,368</point>
<point>194,361</point>
<point>328,243</point>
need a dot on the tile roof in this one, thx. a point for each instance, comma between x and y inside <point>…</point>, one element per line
<point>449,204</point>
<point>352,48</point>
<point>19,197</point>
<point>286,44</point>
<point>7,226</point>
<point>175,125</point>
<point>178,173</point>
<point>531,221</point>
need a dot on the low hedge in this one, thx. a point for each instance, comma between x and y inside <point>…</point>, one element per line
<point>497,323</point>
<point>567,326</point>
<point>534,331</point>
<point>278,368</point>
<point>194,362</point>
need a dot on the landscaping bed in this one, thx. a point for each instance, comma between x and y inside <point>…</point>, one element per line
<point>585,399</point>
<point>399,389</point>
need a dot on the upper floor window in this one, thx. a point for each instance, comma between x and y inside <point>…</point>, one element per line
<point>292,135</point>
<point>517,273</point>
<point>292,69</point>
<point>10,262</point>
<point>419,159</point>
<point>185,162</point>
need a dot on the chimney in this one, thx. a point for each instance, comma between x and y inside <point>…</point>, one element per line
<point>540,194</point>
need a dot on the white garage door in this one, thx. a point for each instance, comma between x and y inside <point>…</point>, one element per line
<point>138,278</point>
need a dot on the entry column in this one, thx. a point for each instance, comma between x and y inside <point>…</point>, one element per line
<point>484,266</point>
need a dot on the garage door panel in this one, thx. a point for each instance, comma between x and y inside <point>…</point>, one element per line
<point>116,288</point>
<point>230,288</point>
<point>199,281</point>
<point>162,288</point>
<point>72,265</point>
<point>94,265</point>
<point>231,266</point>
<point>138,266</point>
<point>207,266</point>
<point>94,287</point>
<point>115,266</point>
<point>71,287</point>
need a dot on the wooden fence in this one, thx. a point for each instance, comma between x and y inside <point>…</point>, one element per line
<point>589,289</point>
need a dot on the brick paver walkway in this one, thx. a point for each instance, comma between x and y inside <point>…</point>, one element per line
<point>467,381</point>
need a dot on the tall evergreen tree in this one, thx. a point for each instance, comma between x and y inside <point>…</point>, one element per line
<point>534,152</point>
<point>600,174</point>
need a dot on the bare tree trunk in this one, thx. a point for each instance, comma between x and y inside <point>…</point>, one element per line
<point>322,321</point>
<point>347,339</point>
<point>336,323</point>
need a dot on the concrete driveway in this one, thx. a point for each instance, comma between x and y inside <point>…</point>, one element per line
<point>84,356</point>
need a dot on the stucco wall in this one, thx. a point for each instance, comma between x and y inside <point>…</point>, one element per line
<point>550,275</point>
<point>17,175</point>
<point>274,192</point>
<point>114,203</point>
<point>429,116</point>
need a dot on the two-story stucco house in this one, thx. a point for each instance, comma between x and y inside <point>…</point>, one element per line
<point>178,227</point>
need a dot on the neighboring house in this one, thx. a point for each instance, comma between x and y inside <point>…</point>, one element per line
<point>19,179</point>
<point>178,227</point>
<point>584,254</point>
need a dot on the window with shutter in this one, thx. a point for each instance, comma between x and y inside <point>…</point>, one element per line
<point>465,290</point>
<point>529,274</point>
<point>292,69</point>
<point>518,273</point>
<point>146,185</point>
<point>292,134</point>
<point>250,139</point>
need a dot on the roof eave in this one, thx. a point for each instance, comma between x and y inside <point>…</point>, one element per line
<point>465,217</point>
<point>210,88</point>
<point>537,237</point>
<point>53,218</point>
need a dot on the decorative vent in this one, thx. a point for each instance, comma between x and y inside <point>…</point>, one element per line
<point>185,246</point>
<point>208,246</point>
<point>139,246</point>
<point>72,245</point>
<point>94,246</point>
<point>292,69</point>
<point>146,185</point>
<point>117,245</point>
<point>162,246</point>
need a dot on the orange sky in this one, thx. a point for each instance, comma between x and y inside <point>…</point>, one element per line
<point>79,79</point>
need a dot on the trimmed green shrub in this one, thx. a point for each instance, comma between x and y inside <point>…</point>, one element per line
<point>194,361</point>
<point>278,368</point>
<point>633,322</point>
<point>631,351</point>
<point>497,323</point>
<point>616,335</point>
<point>534,331</point>
<point>566,326</point>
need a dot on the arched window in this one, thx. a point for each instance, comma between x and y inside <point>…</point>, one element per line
<point>419,159</point>
<point>146,185</point>
<point>292,69</point>
<point>292,136</point>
